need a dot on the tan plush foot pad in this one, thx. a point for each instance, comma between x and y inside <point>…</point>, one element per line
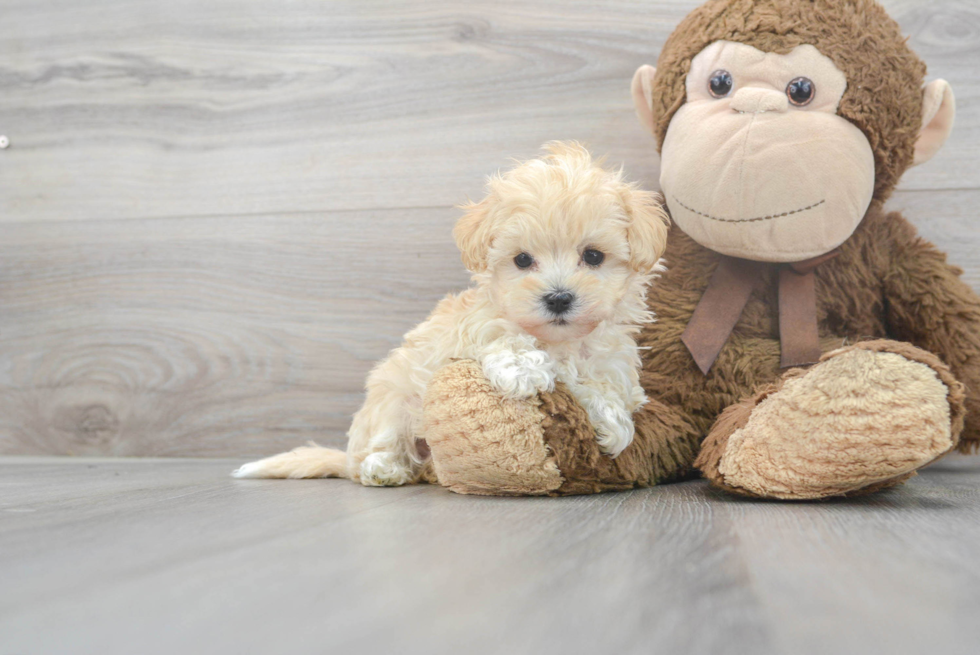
<point>481,443</point>
<point>866,417</point>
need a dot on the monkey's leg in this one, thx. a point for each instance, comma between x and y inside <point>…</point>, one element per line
<point>482,443</point>
<point>864,418</point>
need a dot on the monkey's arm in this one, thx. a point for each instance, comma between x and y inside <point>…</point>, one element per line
<point>929,306</point>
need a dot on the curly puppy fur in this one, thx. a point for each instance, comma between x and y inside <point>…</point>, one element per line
<point>543,310</point>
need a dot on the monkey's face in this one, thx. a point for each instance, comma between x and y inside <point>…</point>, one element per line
<point>757,163</point>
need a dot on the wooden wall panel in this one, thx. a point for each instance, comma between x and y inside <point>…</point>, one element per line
<point>207,336</point>
<point>214,217</point>
<point>143,109</point>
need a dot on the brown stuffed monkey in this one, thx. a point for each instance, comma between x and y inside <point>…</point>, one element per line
<point>807,344</point>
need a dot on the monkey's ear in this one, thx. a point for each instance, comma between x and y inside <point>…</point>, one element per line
<point>938,112</point>
<point>472,234</point>
<point>648,227</point>
<point>642,90</point>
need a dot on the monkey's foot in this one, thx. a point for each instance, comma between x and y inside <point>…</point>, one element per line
<point>864,418</point>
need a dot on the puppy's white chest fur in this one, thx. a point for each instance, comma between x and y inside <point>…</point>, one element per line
<point>600,371</point>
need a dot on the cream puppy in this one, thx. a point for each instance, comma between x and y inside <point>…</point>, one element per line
<point>561,252</point>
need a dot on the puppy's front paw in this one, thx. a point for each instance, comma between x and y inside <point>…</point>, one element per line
<point>613,426</point>
<point>519,374</point>
<point>385,470</point>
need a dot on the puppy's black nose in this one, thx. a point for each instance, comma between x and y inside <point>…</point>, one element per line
<point>559,302</point>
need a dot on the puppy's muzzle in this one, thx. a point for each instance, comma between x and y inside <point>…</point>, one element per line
<point>559,302</point>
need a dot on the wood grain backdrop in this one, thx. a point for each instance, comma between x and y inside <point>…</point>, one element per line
<point>215,216</point>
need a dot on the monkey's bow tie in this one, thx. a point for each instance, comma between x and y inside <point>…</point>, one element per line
<point>727,294</point>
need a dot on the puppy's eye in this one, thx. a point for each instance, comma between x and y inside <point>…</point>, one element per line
<point>523,260</point>
<point>720,83</point>
<point>800,91</point>
<point>593,257</point>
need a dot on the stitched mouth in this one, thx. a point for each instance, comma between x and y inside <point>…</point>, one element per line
<point>750,220</point>
<point>559,322</point>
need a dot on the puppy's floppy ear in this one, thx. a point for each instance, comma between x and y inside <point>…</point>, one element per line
<point>647,230</point>
<point>472,234</point>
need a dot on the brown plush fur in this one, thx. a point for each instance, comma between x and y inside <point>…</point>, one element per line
<point>886,284</point>
<point>585,469</point>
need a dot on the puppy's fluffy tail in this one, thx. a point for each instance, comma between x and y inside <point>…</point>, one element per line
<point>310,461</point>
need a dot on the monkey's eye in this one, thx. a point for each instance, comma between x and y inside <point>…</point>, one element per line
<point>523,260</point>
<point>720,83</point>
<point>593,257</point>
<point>800,91</point>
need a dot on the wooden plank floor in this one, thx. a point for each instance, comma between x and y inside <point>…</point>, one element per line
<point>111,556</point>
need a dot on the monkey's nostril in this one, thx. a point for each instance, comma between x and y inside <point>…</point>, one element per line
<point>559,302</point>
